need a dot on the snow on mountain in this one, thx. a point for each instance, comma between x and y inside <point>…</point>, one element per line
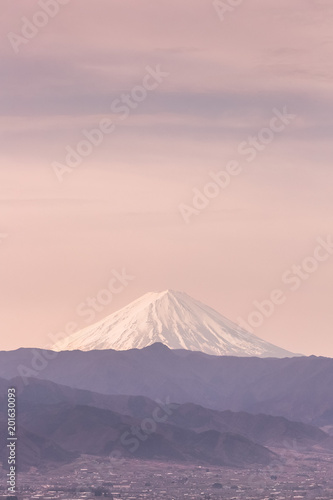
<point>174,319</point>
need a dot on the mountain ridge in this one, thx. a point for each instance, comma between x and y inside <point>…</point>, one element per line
<point>263,429</point>
<point>289,387</point>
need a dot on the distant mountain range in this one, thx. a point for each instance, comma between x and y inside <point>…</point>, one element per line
<point>177,321</point>
<point>58,423</point>
<point>59,433</point>
<point>297,388</point>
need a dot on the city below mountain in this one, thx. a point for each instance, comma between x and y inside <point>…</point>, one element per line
<point>177,321</point>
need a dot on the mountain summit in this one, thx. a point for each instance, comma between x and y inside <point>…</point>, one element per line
<point>174,319</point>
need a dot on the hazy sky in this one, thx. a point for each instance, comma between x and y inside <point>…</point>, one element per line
<point>223,74</point>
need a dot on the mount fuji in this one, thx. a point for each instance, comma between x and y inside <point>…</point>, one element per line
<point>175,320</point>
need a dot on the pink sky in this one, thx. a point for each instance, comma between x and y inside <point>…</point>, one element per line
<point>120,207</point>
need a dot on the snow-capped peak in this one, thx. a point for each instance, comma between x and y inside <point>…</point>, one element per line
<point>174,319</point>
